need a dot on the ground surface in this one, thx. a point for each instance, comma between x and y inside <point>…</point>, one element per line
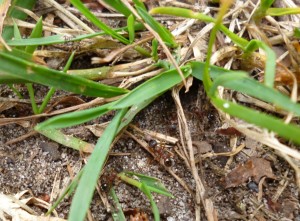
<point>36,164</point>
<point>255,184</point>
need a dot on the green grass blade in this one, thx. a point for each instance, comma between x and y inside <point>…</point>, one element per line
<point>282,11</point>
<point>230,76</point>
<point>46,99</point>
<point>20,68</point>
<point>152,183</point>
<point>119,6</point>
<point>117,213</point>
<point>52,89</point>
<point>36,33</point>
<point>58,39</point>
<point>164,33</point>
<point>154,52</point>
<point>270,68</point>
<point>17,35</point>
<point>253,88</point>
<point>74,118</point>
<point>262,10</point>
<point>130,25</point>
<point>240,81</point>
<point>8,79</point>
<point>67,140</point>
<point>152,88</point>
<point>88,181</point>
<point>257,118</point>
<point>8,31</point>
<point>78,4</point>
<point>32,100</point>
<point>11,86</point>
<point>186,13</point>
<point>154,207</point>
<point>265,4</point>
<point>136,108</point>
<point>297,33</point>
<point>140,4</point>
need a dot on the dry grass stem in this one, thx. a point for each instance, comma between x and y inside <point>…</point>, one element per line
<point>67,16</point>
<point>169,170</point>
<point>165,48</point>
<point>187,141</point>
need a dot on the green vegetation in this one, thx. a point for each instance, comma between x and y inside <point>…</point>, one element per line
<point>18,66</point>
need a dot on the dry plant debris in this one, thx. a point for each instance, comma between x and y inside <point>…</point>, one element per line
<point>186,131</point>
<point>255,168</point>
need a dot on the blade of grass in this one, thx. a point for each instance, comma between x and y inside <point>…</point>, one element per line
<point>57,39</point>
<point>297,33</point>
<point>218,23</point>
<point>154,52</point>
<point>74,118</point>
<point>262,10</point>
<point>164,33</point>
<point>67,140</point>
<point>20,68</point>
<point>34,106</point>
<point>78,4</point>
<point>11,86</point>
<point>186,13</point>
<point>256,89</point>
<point>276,125</point>
<point>155,210</point>
<point>119,6</point>
<point>140,4</point>
<point>50,127</point>
<point>152,183</point>
<point>117,213</point>
<point>105,28</point>
<point>152,87</point>
<point>8,79</point>
<point>146,184</point>
<point>85,189</point>
<point>244,84</point>
<point>270,67</point>
<point>130,25</point>
<point>8,31</point>
<point>17,35</point>
<point>247,46</point>
<point>36,33</point>
<point>52,89</point>
<point>282,11</point>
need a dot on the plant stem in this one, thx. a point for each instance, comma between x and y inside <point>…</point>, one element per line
<point>32,100</point>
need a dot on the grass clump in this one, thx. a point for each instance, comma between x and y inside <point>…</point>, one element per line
<point>18,66</point>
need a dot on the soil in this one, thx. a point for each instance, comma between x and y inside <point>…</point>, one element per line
<point>37,164</point>
<point>45,168</point>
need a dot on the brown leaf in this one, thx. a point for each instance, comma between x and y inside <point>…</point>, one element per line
<point>229,131</point>
<point>254,167</point>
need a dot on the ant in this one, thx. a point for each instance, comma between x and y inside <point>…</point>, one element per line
<point>160,152</point>
<point>108,179</point>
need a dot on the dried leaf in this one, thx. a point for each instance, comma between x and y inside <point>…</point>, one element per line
<point>229,131</point>
<point>16,209</point>
<point>6,105</point>
<point>4,6</point>
<point>97,129</point>
<point>254,167</point>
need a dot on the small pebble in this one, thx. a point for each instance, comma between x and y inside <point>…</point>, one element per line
<point>253,186</point>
